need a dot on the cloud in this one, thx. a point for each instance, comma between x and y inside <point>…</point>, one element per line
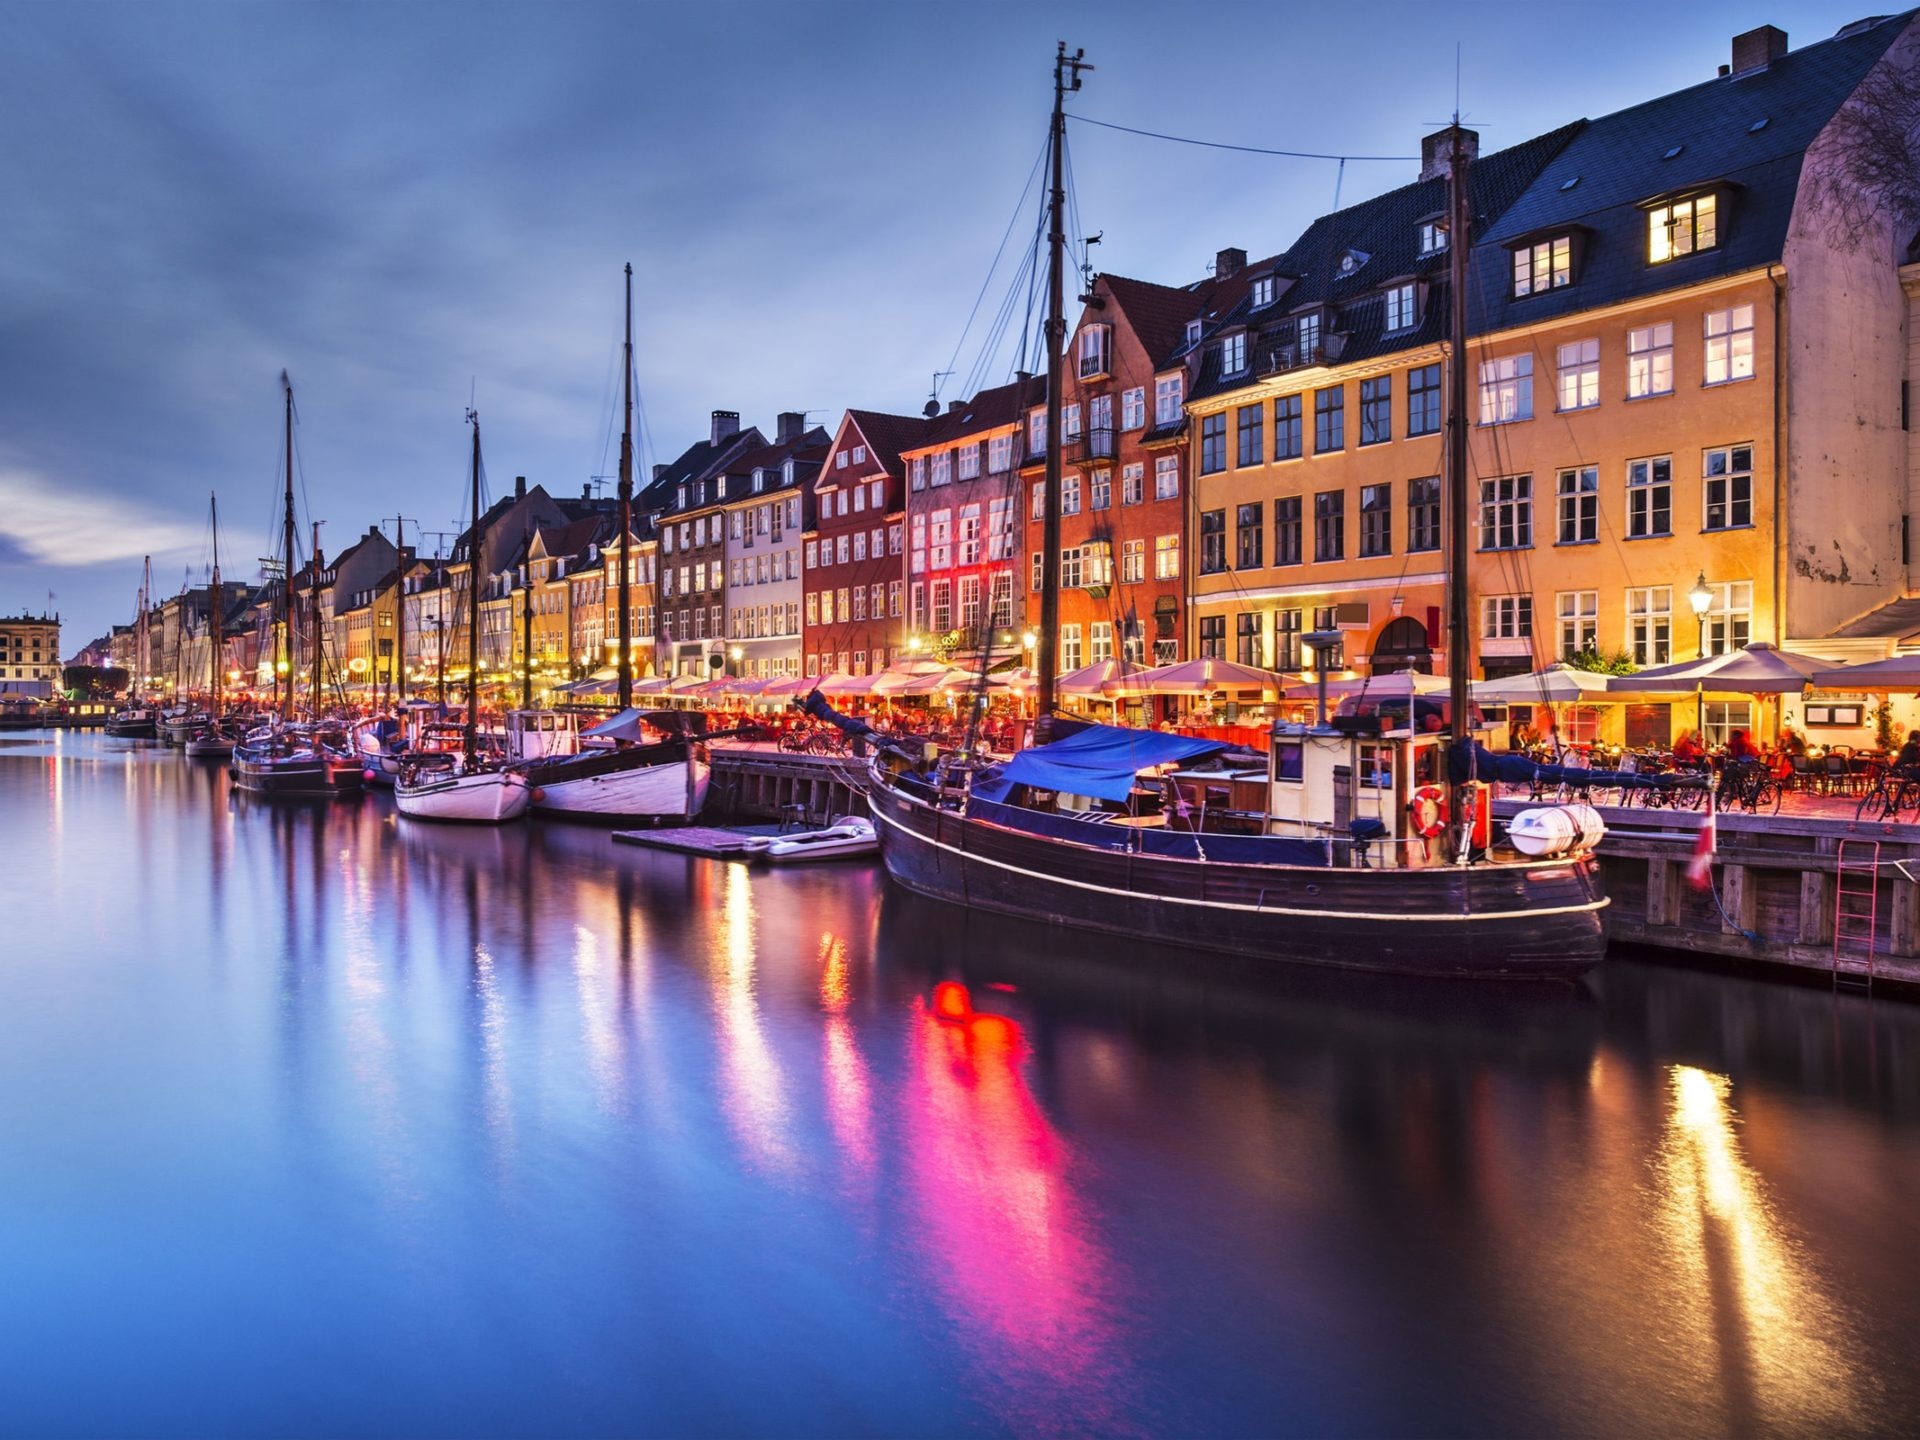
<point>44,523</point>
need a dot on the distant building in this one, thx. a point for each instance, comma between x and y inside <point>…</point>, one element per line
<point>856,546</point>
<point>30,656</point>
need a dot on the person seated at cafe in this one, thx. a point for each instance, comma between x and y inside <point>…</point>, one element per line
<point>1791,741</point>
<point>1688,750</point>
<point>1740,746</point>
<point>1909,756</point>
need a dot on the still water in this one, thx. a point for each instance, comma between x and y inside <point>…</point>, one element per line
<point>314,1121</point>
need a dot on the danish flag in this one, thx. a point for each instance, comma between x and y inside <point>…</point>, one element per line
<point>1700,867</point>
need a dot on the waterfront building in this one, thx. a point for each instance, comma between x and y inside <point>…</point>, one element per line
<point>30,655</point>
<point>854,549</point>
<point>965,598</point>
<point>769,490</point>
<point>1678,360</point>
<point>642,625</point>
<point>427,603</point>
<point>505,526</point>
<point>686,499</point>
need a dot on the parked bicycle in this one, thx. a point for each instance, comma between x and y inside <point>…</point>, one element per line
<point>1891,792</point>
<point>1750,785</point>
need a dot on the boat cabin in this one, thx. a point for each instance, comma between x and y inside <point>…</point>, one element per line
<point>542,734</point>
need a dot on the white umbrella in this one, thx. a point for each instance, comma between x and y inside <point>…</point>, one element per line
<point>1398,685</point>
<point>1100,679</point>
<point>1204,676</point>
<point>1555,685</point>
<point>1759,669</point>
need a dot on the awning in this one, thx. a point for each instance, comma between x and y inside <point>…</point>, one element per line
<point>1205,676</point>
<point>1759,669</point>
<point>1100,761</point>
<point>1897,672</point>
<point>1397,685</point>
<point>1555,685</point>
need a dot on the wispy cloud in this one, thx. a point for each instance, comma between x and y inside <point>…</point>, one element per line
<point>44,523</point>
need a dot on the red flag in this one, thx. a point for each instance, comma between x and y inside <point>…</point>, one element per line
<point>1700,867</point>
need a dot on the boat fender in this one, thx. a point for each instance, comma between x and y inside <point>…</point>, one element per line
<point>1427,811</point>
<point>367,774</point>
<point>538,794</point>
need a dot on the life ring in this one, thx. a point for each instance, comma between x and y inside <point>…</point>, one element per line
<point>1427,810</point>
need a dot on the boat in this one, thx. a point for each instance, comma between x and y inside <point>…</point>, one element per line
<point>1345,845</point>
<point>214,736</point>
<point>215,740</point>
<point>470,785</point>
<point>281,759</point>
<point>136,719</point>
<point>136,722</point>
<point>849,837</point>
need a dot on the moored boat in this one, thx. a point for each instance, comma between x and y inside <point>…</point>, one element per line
<point>636,767</point>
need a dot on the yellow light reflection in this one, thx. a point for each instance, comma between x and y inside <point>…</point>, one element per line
<point>754,1093</point>
<point>1767,1330</point>
<point>849,1091</point>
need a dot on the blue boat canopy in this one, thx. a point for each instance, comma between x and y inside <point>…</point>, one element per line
<point>1100,761</point>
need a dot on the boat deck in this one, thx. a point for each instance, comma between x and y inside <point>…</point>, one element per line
<point>712,842</point>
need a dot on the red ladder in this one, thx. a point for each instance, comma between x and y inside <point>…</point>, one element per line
<point>1856,896</point>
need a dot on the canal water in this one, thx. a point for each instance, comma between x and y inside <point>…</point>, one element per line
<point>315,1121</point>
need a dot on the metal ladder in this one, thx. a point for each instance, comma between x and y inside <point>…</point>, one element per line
<point>1854,908</point>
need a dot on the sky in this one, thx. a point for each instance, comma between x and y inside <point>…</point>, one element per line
<point>415,206</point>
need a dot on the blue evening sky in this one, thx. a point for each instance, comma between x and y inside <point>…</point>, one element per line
<point>405,204</point>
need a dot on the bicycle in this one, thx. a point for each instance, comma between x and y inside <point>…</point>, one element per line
<point>1750,785</point>
<point>1891,792</point>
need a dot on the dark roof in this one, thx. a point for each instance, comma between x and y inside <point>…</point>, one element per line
<point>1158,314</point>
<point>573,537</point>
<point>698,460</point>
<point>887,435</point>
<point>1894,620</point>
<point>1604,176</point>
<point>989,410</point>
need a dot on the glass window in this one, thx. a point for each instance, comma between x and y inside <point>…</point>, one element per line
<point>1401,308</point>
<point>1650,625</point>
<point>1133,483</point>
<point>1580,375</point>
<point>1213,443</point>
<point>1248,432</point>
<point>1133,408</point>
<point>1423,513</point>
<point>1069,495</point>
<point>1433,236</point>
<point>1233,354</point>
<point>1286,640</point>
<point>1650,360</point>
<point>1544,265</point>
<point>1100,490</point>
<point>999,454</point>
<point>1330,525</point>
<point>1681,227</point>
<point>1166,557</point>
<point>1102,649</point>
<point>1730,345</point>
<point>1506,389</point>
<point>1376,520</point>
<point>1213,637</point>
<point>1306,336</point>
<point>1166,477</point>
<point>1506,513</point>
<point>1168,395</point>
<point>1579,616</point>
<point>1729,616</point>
<point>1506,617</point>
<point>1728,488</point>
<point>1286,428</point>
<point>1213,541</point>
<point>1423,400</point>
<point>1286,530</point>
<point>1133,562</point>
<point>1249,531</point>
<point>1246,638</point>
<point>969,463</point>
<point>1376,410</point>
<point>1649,497</point>
<point>1579,506</point>
<point>1329,419</point>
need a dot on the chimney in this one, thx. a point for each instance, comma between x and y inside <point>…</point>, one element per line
<point>659,468</point>
<point>1229,262</point>
<point>955,406</point>
<point>586,491</point>
<point>726,423</point>
<point>791,425</point>
<point>1436,151</point>
<point>519,487</point>
<point>1758,49</point>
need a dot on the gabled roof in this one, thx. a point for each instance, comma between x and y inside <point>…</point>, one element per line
<point>991,409</point>
<point>1157,314</point>
<point>887,435</point>
<point>698,461</point>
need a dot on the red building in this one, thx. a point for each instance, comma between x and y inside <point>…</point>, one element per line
<point>854,567</point>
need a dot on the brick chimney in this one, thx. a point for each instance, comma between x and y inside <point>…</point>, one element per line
<point>726,424</point>
<point>1758,49</point>
<point>1229,262</point>
<point>519,487</point>
<point>1436,151</point>
<point>659,468</point>
<point>790,425</point>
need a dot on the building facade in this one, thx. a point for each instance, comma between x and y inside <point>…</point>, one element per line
<point>30,656</point>
<point>856,547</point>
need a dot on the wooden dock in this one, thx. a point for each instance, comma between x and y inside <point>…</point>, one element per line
<point>710,842</point>
<point>1774,898</point>
<point>764,782</point>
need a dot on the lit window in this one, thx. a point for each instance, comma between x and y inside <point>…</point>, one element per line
<point>1681,227</point>
<point>1730,344</point>
<point>1579,374</point>
<point>1650,360</point>
<point>1506,389</point>
<point>1650,625</point>
<point>1546,265</point>
<point>1579,614</point>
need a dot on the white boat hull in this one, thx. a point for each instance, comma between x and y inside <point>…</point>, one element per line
<point>654,792</point>
<point>838,842</point>
<point>491,797</point>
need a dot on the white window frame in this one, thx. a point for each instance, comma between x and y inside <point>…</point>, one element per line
<point>1577,374</point>
<point>1650,360</point>
<point>1729,345</point>
<point>1506,389</point>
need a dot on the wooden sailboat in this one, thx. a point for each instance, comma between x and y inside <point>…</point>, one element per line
<point>1368,852</point>
<point>138,719</point>
<point>469,786</point>
<point>214,739</point>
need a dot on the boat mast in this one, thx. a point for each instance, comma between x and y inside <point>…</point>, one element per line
<point>1066,76</point>
<point>626,514</point>
<point>214,607</point>
<point>470,735</point>
<point>397,667</point>
<point>313,620</point>
<point>285,696</point>
<point>526,637</point>
<point>1459,642</point>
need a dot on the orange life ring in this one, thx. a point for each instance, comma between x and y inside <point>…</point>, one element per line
<point>1427,809</point>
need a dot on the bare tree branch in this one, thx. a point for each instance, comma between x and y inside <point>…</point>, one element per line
<point>1870,175</point>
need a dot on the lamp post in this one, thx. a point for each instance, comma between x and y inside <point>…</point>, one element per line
<point>1700,597</point>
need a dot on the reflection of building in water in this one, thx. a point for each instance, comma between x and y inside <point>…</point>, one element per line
<point>753,1092</point>
<point>1749,1296</point>
<point>1008,1251</point>
<point>848,1092</point>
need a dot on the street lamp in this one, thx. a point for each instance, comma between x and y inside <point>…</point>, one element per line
<point>1700,597</point>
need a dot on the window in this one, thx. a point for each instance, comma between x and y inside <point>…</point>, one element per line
<point>1649,497</point>
<point>1213,443</point>
<point>1506,617</point>
<point>1166,557</point>
<point>1071,577</point>
<point>942,473</point>
<point>1133,408</point>
<point>893,539</point>
<point>859,546</point>
<point>1681,227</point>
<point>1401,308</point>
<point>1545,265</point>
<point>813,554</point>
<point>1133,561</point>
<point>1423,400</point>
<point>916,475</point>
<point>1002,592</point>
<point>1247,424</point>
<point>1249,530</point>
<point>1306,336</point>
<point>999,454</point>
<point>1730,616</point>
<point>1100,490</point>
<point>968,465</point>
<point>1213,542</point>
<point>1650,360</point>
<point>1423,513</point>
<point>1580,375</point>
<point>1376,519</point>
<point>919,597</point>
<point>1286,530</point>
<point>1579,506</point>
<point>1506,389</point>
<point>969,602</point>
<point>1133,484</point>
<point>1650,625</point>
<point>1330,525</point>
<point>1286,640</point>
<point>1039,509</point>
<point>1433,236</point>
<point>942,605</point>
<point>1579,613</point>
<point>1037,433</point>
<point>1069,422</point>
<point>1723,717</point>
<point>1286,428</point>
<point>1038,562</point>
<point>1093,351</point>
<point>918,560</point>
<point>1730,345</point>
<point>1102,638</point>
<point>1506,513</point>
<point>1169,393</point>
<point>1246,638</point>
<point>969,536</point>
<point>1213,637</point>
<point>1069,495</point>
<point>840,460</point>
<point>1166,477</point>
<point>1233,354</point>
<point>1329,419</point>
<point>1262,292</point>
<point>1728,488</point>
<point>940,541</point>
<point>1376,410</point>
<point>1100,426</point>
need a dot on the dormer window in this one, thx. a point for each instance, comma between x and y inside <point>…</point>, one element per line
<point>786,472</point>
<point>1403,307</point>
<point>1543,265</point>
<point>1263,291</point>
<point>759,480</point>
<point>1681,227</point>
<point>683,497</point>
<point>1433,236</point>
<point>1233,353</point>
<point>1306,336</point>
<point>1095,351</point>
<point>1351,261</point>
<point>1193,333</point>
